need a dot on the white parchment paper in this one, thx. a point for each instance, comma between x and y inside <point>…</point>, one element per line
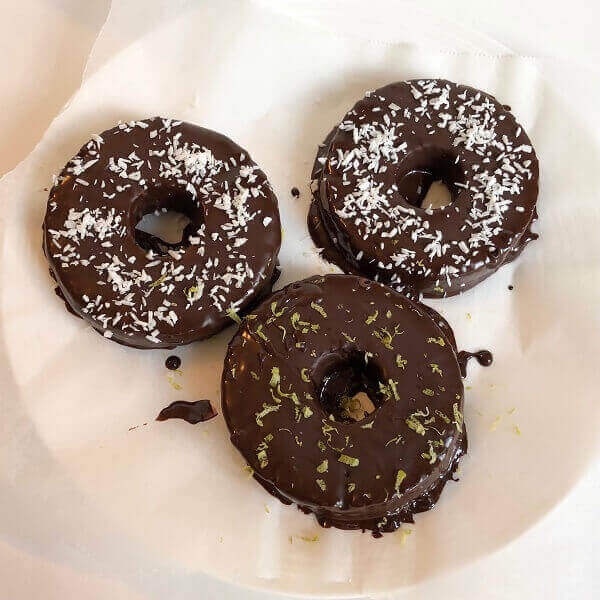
<point>90,479</point>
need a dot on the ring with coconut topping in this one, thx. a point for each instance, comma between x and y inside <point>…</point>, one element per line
<point>346,398</point>
<point>134,287</point>
<point>427,186</point>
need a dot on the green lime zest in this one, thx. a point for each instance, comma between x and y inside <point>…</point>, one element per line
<point>395,440</point>
<point>261,451</point>
<point>159,281</point>
<point>401,362</point>
<point>372,318</point>
<point>190,293</point>
<point>414,423</point>
<point>458,417</point>
<point>442,416</point>
<point>291,395</point>
<point>267,408</point>
<point>400,477</point>
<point>263,459</point>
<point>303,326</point>
<point>260,334</point>
<point>275,313</point>
<point>431,456</point>
<point>275,378</point>
<point>306,412</point>
<point>436,369</point>
<point>321,484</point>
<point>323,467</point>
<point>319,309</point>
<point>348,460</point>
<point>233,315</point>
<point>385,337</point>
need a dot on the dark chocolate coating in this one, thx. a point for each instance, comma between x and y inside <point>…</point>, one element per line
<point>285,370</point>
<point>372,171</point>
<point>131,286</point>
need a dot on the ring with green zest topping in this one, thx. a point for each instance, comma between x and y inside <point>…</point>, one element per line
<point>346,398</point>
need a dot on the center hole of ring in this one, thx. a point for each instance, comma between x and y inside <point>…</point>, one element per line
<point>349,389</point>
<point>164,218</point>
<point>428,178</point>
<point>167,225</point>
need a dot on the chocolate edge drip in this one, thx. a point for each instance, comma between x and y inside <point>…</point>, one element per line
<point>392,521</point>
<point>483,357</point>
<point>265,292</point>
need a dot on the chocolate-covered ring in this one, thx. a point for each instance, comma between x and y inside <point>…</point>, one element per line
<point>291,399</point>
<point>372,174</point>
<point>133,287</point>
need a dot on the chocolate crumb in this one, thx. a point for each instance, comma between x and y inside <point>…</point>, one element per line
<point>173,363</point>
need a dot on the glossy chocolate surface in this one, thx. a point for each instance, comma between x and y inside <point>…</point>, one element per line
<point>371,174</point>
<point>133,287</point>
<point>287,380</point>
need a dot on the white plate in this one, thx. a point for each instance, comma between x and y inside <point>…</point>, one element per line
<point>161,505</point>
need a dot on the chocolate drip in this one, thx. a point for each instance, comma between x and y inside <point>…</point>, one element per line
<point>173,363</point>
<point>192,412</point>
<point>484,358</point>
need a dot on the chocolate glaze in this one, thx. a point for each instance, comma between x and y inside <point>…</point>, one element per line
<point>283,383</point>
<point>192,412</point>
<point>484,358</point>
<point>133,287</point>
<point>173,363</point>
<point>372,172</point>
